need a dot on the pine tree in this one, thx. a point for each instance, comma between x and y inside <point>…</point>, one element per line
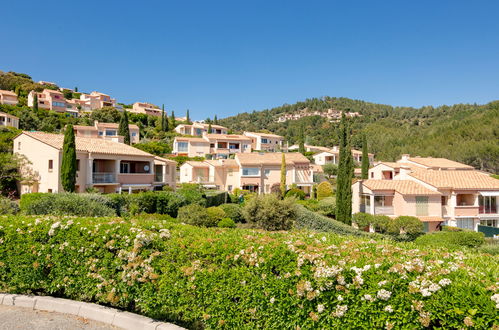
<point>76,89</point>
<point>68,166</point>
<point>172,120</point>
<point>123,128</point>
<point>365,158</point>
<point>35,102</point>
<point>301,142</point>
<point>345,174</point>
<point>283,176</point>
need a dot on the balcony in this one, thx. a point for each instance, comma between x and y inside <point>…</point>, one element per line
<point>103,177</point>
<point>466,211</point>
<point>158,177</point>
<point>384,210</point>
<point>492,209</point>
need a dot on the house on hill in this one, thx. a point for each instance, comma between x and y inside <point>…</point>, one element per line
<point>107,131</point>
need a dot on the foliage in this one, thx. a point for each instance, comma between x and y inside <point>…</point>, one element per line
<point>8,206</point>
<point>270,213</point>
<point>211,277</point>
<point>216,198</point>
<point>66,204</point>
<point>283,176</point>
<point>330,170</point>
<point>324,189</point>
<point>452,239</point>
<point>405,225</point>
<point>197,215</point>
<point>216,214</point>
<point>158,148</point>
<point>193,193</point>
<point>345,174</point>
<point>233,211</point>
<point>362,219</point>
<point>123,128</point>
<point>68,166</point>
<point>226,223</point>
<point>296,193</point>
<point>365,159</point>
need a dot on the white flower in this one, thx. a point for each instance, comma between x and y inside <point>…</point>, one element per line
<point>320,308</point>
<point>382,283</point>
<point>384,294</point>
<point>368,297</point>
<point>444,282</point>
<point>272,300</point>
<point>54,226</point>
<point>495,298</point>
<point>434,287</point>
<point>388,309</point>
<point>425,292</point>
<point>340,310</point>
<point>340,298</point>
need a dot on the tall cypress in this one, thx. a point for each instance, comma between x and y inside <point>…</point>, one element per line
<point>123,128</point>
<point>187,118</point>
<point>301,142</point>
<point>210,130</point>
<point>365,158</point>
<point>35,102</point>
<point>164,120</point>
<point>345,174</point>
<point>68,166</point>
<point>283,176</point>
<point>215,120</point>
<point>172,120</point>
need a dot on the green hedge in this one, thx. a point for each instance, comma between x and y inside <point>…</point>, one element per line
<point>66,204</point>
<point>247,279</point>
<point>452,239</point>
<point>8,206</point>
<point>216,198</point>
<point>233,211</point>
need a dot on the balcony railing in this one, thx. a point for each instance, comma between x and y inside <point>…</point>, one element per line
<point>386,210</point>
<point>158,177</point>
<point>487,209</point>
<point>103,177</point>
<point>365,208</point>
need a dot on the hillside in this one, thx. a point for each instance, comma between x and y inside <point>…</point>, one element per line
<point>466,133</point>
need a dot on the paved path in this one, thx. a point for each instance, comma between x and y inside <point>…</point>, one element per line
<point>19,318</point>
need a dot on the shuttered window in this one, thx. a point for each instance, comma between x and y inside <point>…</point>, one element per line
<point>421,205</point>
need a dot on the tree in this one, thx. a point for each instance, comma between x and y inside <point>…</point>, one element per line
<point>283,176</point>
<point>172,119</point>
<point>76,89</point>
<point>35,102</point>
<point>164,120</point>
<point>68,166</point>
<point>365,158</point>
<point>210,130</point>
<point>123,128</point>
<point>301,146</point>
<point>345,174</point>
<point>187,119</point>
<point>330,170</point>
<point>215,120</point>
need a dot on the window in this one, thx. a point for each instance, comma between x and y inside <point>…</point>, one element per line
<point>233,146</point>
<point>264,141</point>
<point>372,175</point>
<point>267,172</point>
<point>19,145</point>
<point>49,191</point>
<point>490,223</point>
<point>251,171</point>
<point>229,188</point>
<point>124,167</point>
<point>134,134</point>
<point>51,165</point>
<point>465,223</point>
<point>421,205</point>
<point>230,171</point>
<point>77,164</point>
<point>487,204</point>
<point>58,104</point>
<point>110,132</point>
<point>101,133</point>
<point>443,200</point>
<point>182,146</point>
<point>426,227</point>
<point>212,145</point>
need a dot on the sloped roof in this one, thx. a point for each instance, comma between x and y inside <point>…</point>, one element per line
<point>165,160</point>
<point>5,92</point>
<point>195,163</point>
<point>456,179</point>
<point>114,125</point>
<point>232,137</point>
<point>438,163</point>
<point>8,115</point>
<point>93,145</point>
<point>265,135</point>
<point>273,158</point>
<point>390,164</point>
<point>191,139</point>
<point>404,187</point>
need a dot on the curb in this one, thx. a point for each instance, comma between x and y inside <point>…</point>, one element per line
<point>107,315</point>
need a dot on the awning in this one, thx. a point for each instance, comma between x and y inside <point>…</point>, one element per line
<point>489,193</point>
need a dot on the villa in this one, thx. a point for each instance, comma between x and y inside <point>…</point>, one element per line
<point>198,129</point>
<point>217,145</point>
<point>436,190</point>
<point>8,97</point>
<point>146,109</point>
<point>107,131</point>
<point>265,141</point>
<point>332,155</point>
<point>101,164</point>
<point>8,120</point>
<point>54,100</point>
<point>256,172</point>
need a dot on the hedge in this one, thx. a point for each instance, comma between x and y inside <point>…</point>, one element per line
<point>248,279</point>
<point>216,198</point>
<point>8,206</point>
<point>452,239</point>
<point>66,204</point>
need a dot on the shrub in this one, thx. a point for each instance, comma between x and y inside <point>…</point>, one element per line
<point>233,211</point>
<point>226,223</point>
<point>452,239</point>
<point>381,222</point>
<point>8,206</point>
<point>208,278</point>
<point>196,215</point>
<point>169,203</point>
<point>216,214</point>
<point>216,198</point>
<point>296,193</point>
<point>327,207</point>
<point>144,202</point>
<point>450,228</point>
<point>324,189</point>
<point>362,219</point>
<point>193,193</point>
<point>270,213</point>
<point>405,225</point>
<point>67,204</point>
<point>119,203</point>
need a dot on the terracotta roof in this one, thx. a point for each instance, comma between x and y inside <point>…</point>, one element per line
<point>165,160</point>
<point>404,187</point>
<point>390,164</point>
<point>3,91</point>
<point>84,127</point>
<point>114,125</point>
<point>265,134</point>
<point>227,137</point>
<point>438,162</point>
<point>93,145</point>
<point>273,158</point>
<point>456,179</point>
<point>190,139</point>
<point>196,163</point>
<point>316,168</point>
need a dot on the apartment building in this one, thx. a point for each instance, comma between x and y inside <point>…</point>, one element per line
<point>332,155</point>
<point>54,100</point>
<point>108,131</point>
<point>8,120</point>
<point>218,145</point>
<point>8,97</point>
<point>256,172</point>
<point>198,129</point>
<point>102,164</point>
<point>97,100</point>
<point>146,109</point>
<point>436,190</point>
<point>265,141</point>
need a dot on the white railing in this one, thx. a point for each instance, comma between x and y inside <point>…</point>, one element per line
<point>387,210</point>
<point>103,177</point>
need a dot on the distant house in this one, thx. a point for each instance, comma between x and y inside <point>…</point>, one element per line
<point>438,191</point>
<point>101,164</point>
<point>265,141</point>
<point>8,120</point>
<point>8,97</point>
<point>107,131</point>
<point>257,172</point>
<point>218,145</point>
<point>54,100</point>
<point>198,129</point>
<point>97,100</point>
<point>332,155</point>
<point>146,109</point>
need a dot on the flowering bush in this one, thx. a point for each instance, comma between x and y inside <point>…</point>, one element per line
<point>212,277</point>
<point>226,223</point>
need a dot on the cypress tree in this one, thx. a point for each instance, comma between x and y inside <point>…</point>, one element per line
<point>187,119</point>
<point>210,130</point>
<point>215,120</point>
<point>172,119</point>
<point>301,142</point>
<point>365,158</point>
<point>35,102</point>
<point>68,166</point>
<point>283,175</point>
<point>163,117</point>
<point>345,174</point>
<point>123,128</point>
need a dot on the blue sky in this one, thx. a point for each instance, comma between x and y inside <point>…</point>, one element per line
<point>225,57</point>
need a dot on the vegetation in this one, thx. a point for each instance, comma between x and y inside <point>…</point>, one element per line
<point>365,158</point>
<point>452,239</point>
<point>296,193</point>
<point>123,128</point>
<point>68,166</point>
<point>270,213</point>
<point>345,175</point>
<point>324,189</point>
<point>7,206</point>
<point>283,175</point>
<point>303,279</point>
